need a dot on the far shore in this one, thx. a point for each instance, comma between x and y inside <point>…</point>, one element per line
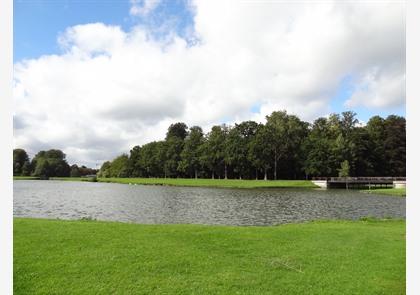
<point>219,183</point>
<point>192,182</point>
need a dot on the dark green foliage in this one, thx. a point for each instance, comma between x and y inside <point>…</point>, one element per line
<point>394,145</point>
<point>104,171</point>
<point>118,167</point>
<point>214,152</point>
<point>178,130</point>
<point>173,147</point>
<point>260,152</point>
<point>26,169</point>
<point>20,159</point>
<point>50,163</point>
<point>283,148</point>
<point>190,155</point>
<point>134,162</point>
<point>238,149</point>
<point>74,171</point>
<point>43,169</point>
<point>151,159</point>
<point>45,164</point>
<point>286,133</point>
<point>318,149</point>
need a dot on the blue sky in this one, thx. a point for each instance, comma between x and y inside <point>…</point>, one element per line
<point>245,66</point>
<point>37,23</point>
<point>344,92</point>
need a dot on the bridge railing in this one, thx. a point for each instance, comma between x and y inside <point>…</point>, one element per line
<point>373,179</point>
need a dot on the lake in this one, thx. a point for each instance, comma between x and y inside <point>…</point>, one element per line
<point>170,204</point>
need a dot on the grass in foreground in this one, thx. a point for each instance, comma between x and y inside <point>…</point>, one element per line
<point>89,257</point>
<point>401,192</point>
<point>201,182</point>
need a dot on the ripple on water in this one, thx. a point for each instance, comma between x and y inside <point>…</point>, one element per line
<point>160,204</point>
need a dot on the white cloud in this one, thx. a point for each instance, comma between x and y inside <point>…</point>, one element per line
<point>378,89</point>
<point>143,7</point>
<point>110,89</point>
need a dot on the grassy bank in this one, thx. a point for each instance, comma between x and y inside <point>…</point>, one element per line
<point>401,192</point>
<point>89,257</point>
<point>52,178</point>
<point>201,182</point>
<point>72,178</point>
<point>25,178</point>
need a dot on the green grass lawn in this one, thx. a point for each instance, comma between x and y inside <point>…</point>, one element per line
<point>25,178</point>
<point>203,182</point>
<point>89,257</point>
<point>401,192</point>
<point>72,178</point>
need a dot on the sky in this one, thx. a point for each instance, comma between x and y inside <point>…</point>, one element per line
<point>95,78</point>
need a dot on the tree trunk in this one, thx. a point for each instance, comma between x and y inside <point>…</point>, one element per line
<point>256,174</point>
<point>225,171</point>
<point>265,173</point>
<point>275,164</point>
<point>212,174</point>
<point>195,171</point>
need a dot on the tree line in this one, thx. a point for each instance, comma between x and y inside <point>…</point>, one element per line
<point>45,164</point>
<point>285,147</point>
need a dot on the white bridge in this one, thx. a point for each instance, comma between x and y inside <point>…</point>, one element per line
<point>355,182</point>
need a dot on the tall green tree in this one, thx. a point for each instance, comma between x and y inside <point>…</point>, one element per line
<point>178,130</point>
<point>104,170</point>
<point>214,154</point>
<point>20,158</point>
<point>238,145</point>
<point>394,145</point>
<point>361,153</point>
<point>74,171</point>
<point>56,163</point>
<point>375,128</point>
<point>191,153</point>
<point>288,133</point>
<point>318,149</point>
<point>174,144</point>
<point>152,159</point>
<point>119,166</point>
<point>260,153</point>
<point>43,169</point>
<point>135,168</point>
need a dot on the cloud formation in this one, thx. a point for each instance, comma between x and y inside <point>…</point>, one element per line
<point>143,7</point>
<point>111,89</point>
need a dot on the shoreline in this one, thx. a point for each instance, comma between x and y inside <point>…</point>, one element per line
<point>219,183</point>
<point>188,182</point>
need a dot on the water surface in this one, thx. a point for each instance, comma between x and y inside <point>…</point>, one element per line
<point>168,204</point>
